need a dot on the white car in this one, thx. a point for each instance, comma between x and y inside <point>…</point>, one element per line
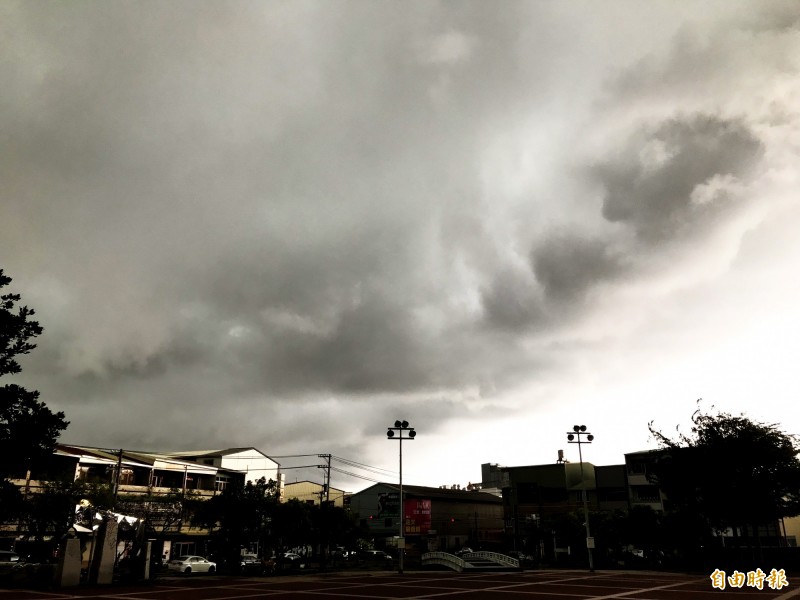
<point>192,564</point>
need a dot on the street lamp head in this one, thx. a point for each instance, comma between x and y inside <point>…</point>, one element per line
<point>570,437</point>
<point>583,427</point>
<point>390,433</point>
<point>412,434</point>
<point>398,424</point>
<point>576,428</point>
<point>405,424</point>
<point>590,437</point>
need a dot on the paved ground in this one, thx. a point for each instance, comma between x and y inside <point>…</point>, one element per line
<point>531,585</point>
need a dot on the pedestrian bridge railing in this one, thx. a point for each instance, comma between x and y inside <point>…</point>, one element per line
<point>465,561</point>
<point>496,557</point>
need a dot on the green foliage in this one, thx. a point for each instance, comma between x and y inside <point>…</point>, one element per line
<point>336,526</point>
<point>160,513</point>
<point>294,525</point>
<point>730,471</point>
<point>241,514</point>
<point>244,515</point>
<point>28,429</point>
<point>16,329</point>
<point>51,511</point>
<point>12,502</point>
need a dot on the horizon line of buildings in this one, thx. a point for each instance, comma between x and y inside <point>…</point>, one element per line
<point>496,512</point>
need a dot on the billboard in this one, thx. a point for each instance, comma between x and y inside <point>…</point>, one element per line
<point>417,517</point>
<point>389,505</point>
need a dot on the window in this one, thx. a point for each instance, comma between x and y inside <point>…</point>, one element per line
<point>221,482</point>
<point>646,493</point>
<point>637,468</point>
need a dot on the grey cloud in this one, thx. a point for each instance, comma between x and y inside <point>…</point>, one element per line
<point>295,210</point>
<point>569,266</point>
<point>513,302</point>
<point>649,184</point>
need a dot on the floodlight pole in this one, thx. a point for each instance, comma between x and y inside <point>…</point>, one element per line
<point>579,430</point>
<point>400,427</point>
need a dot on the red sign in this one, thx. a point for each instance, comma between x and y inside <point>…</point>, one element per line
<point>418,516</point>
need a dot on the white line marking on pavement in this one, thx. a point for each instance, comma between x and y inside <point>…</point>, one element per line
<point>641,590</point>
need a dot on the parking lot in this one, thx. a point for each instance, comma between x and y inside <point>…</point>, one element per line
<point>532,585</point>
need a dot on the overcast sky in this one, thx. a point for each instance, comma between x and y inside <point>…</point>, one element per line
<point>287,224</point>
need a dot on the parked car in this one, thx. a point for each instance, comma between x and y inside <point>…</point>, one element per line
<point>250,563</point>
<point>377,557</point>
<point>9,562</point>
<point>524,559</point>
<point>192,564</point>
<point>291,560</point>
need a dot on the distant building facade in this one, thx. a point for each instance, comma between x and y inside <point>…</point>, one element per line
<point>434,518</point>
<point>160,475</point>
<point>314,493</point>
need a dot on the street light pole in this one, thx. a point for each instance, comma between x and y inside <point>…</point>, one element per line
<point>579,430</point>
<point>400,427</point>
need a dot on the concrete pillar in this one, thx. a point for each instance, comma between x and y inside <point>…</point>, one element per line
<point>68,572</point>
<point>105,553</point>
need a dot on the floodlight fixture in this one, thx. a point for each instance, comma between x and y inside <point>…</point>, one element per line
<point>580,430</point>
<point>400,427</point>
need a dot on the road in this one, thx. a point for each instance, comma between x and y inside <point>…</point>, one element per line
<point>529,585</point>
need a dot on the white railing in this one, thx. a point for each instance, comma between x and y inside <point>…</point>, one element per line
<point>443,558</point>
<point>494,557</point>
<point>459,564</point>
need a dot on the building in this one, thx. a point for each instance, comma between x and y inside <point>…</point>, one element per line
<point>314,493</point>
<point>159,479</point>
<point>642,491</point>
<point>540,502</point>
<point>132,472</point>
<point>435,518</point>
<point>253,463</point>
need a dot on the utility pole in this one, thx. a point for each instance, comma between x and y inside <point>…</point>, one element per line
<point>327,468</point>
<point>116,479</point>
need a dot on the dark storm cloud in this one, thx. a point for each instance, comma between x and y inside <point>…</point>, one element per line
<point>650,184</point>
<point>665,186</point>
<point>569,266</point>
<point>284,215</point>
<point>251,166</point>
<point>512,301</point>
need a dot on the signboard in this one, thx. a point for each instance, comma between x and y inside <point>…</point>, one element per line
<point>590,542</point>
<point>417,517</point>
<point>389,505</point>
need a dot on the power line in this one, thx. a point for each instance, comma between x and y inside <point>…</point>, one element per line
<point>353,463</point>
<point>338,470</point>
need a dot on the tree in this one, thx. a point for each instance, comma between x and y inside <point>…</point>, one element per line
<point>731,471</point>
<point>28,428</point>
<point>242,515</point>
<point>160,513</point>
<point>51,512</point>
